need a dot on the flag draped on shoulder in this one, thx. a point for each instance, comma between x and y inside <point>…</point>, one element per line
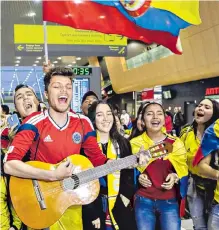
<point>177,159</point>
<point>145,20</point>
<point>210,142</point>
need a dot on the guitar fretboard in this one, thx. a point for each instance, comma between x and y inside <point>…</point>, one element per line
<point>103,170</point>
<point>100,171</point>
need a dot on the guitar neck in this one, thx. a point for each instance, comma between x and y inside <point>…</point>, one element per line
<point>103,170</point>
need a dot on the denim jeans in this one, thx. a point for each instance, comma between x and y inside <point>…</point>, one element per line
<point>196,207</point>
<point>213,221</point>
<point>148,210</point>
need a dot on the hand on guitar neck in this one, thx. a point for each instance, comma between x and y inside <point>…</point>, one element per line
<point>143,158</point>
<point>74,182</point>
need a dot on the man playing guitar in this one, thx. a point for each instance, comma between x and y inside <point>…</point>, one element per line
<point>52,136</point>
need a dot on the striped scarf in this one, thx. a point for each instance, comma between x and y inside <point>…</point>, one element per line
<point>113,180</point>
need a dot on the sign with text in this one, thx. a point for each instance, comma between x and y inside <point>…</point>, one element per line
<point>212,91</point>
<point>63,40</point>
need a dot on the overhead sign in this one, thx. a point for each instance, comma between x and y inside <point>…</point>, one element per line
<point>29,48</point>
<point>212,91</point>
<point>63,40</point>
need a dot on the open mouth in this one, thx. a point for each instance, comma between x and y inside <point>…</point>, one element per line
<point>63,99</point>
<point>106,124</point>
<point>155,123</point>
<point>199,114</point>
<point>28,106</point>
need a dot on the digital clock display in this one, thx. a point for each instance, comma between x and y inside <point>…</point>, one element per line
<point>82,71</point>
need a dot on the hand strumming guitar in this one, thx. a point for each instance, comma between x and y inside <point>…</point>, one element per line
<point>64,170</point>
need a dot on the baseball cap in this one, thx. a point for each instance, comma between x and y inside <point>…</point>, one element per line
<point>89,93</point>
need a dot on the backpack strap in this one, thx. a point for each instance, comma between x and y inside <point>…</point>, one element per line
<point>82,126</point>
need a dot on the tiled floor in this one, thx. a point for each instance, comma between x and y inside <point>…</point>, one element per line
<point>187,225</point>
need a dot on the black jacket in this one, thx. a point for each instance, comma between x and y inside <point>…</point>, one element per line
<point>124,216</point>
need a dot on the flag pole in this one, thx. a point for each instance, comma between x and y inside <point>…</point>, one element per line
<point>45,42</point>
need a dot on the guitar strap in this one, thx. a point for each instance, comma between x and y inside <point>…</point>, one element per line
<point>82,125</point>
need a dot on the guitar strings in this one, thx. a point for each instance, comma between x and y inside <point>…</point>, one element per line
<point>70,183</point>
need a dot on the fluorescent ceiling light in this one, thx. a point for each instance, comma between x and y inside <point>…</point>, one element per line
<point>34,64</point>
<point>55,62</point>
<point>36,61</point>
<point>39,58</point>
<point>31,14</point>
<point>78,58</point>
<point>69,65</point>
<point>18,57</point>
<point>16,65</point>
<point>59,58</point>
<point>17,61</point>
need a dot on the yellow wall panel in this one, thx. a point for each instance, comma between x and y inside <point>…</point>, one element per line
<point>205,15</point>
<point>210,45</point>
<point>188,55</point>
<point>213,9</point>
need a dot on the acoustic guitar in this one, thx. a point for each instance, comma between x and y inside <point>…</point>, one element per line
<point>39,204</point>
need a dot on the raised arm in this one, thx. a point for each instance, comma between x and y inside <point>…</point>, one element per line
<point>206,170</point>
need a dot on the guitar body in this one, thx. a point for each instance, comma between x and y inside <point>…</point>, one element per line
<point>40,204</point>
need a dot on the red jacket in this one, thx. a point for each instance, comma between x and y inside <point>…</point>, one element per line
<point>168,123</point>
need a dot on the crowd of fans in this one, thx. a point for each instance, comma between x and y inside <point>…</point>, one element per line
<point>152,196</point>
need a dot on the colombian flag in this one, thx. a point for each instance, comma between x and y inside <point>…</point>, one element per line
<point>145,20</point>
<point>210,142</point>
<point>177,158</point>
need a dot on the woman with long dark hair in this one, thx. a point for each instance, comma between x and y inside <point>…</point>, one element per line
<point>158,198</point>
<point>201,190</point>
<point>112,209</point>
<point>137,128</point>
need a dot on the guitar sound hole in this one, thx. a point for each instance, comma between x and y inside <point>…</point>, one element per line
<point>71,183</point>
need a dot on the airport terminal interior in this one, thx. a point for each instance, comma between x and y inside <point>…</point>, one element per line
<point>102,80</point>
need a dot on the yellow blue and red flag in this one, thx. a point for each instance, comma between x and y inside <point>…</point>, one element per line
<point>145,20</point>
<point>210,142</point>
<point>177,159</point>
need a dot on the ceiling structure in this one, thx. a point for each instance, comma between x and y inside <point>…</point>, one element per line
<point>21,69</point>
<point>23,12</point>
<point>30,12</point>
